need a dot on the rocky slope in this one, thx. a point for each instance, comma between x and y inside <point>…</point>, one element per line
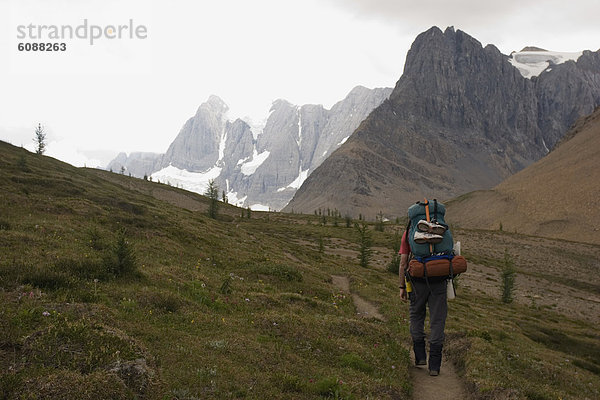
<point>460,118</point>
<point>262,169</point>
<point>558,196</point>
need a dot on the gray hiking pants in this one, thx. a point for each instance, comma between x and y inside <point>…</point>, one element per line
<point>438,309</point>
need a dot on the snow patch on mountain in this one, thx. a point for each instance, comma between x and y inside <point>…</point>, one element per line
<point>533,63</point>
<point>299,141</point>
<point>233,198</point>
<point>249,167</point>
<point>193,181</point>
<point>260,207</point>
<point>343,141</point>
<point>302,175</point>
<point>222,145</point>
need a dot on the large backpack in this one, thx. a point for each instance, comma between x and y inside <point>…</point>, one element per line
<point>418,212</point>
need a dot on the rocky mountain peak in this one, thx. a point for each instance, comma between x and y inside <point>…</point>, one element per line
<point>262,165</point>
<point>214,105</point>
<point>532,48</point>
<point>437,52</point>
<point>462,117</point>
<point>358,91</point>
<point>280,104</point>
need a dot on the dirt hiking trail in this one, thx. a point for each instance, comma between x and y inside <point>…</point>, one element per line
<point>363,307</point>
<point>445,386</point>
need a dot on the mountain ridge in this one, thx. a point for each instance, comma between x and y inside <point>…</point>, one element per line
<point>257,169</point>
<point>460,118</point>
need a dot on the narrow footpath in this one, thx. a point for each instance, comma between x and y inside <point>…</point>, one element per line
<point>445,386</point>
<point>363,307</point>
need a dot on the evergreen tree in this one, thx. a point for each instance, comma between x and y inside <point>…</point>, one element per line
<point>365,241</point>
<point>122,260</point>
<point>348,219</point>
<point>321,246</point>
<point>40,139</point>
<point>212,192</point>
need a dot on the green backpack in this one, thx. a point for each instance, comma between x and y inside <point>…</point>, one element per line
<point>428,233</point>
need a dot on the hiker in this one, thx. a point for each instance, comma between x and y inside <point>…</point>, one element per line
<point>422,294</point>
<point>427,266</point>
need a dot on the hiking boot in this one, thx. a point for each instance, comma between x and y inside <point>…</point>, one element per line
<point>423,226</point>
<point>426,237</point>
<point>435,359</point>
<point>431,227</point>
<point>420,353</point>
<point>438,229</point>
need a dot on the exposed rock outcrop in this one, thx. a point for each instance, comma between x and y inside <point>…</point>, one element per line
<point>460,118</point>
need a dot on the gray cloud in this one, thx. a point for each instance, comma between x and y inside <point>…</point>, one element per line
<point>507,23</point>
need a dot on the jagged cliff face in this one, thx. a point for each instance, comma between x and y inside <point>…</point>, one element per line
<point>566,92</point>
<point>460,118</point>
<point>259,169</point>
<point>196,148</point>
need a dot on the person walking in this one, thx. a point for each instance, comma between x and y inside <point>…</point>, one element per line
<point>425,292</point>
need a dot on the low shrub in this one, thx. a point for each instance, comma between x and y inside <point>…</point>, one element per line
<point>160,300</point>
<point>281,271</point>
<point>289,383</point>
<point>355,362</point>
<point>4,225</point>
<point>121,259</point>
<point>331,388</point>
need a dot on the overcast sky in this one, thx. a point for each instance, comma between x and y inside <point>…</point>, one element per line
<point>135,94</point>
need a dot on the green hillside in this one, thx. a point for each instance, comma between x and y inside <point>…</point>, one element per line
<point>117,288</point>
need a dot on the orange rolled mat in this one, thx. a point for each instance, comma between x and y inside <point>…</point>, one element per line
<point>437,267</point>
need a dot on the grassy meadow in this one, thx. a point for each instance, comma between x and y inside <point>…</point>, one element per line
<point>118,288</point>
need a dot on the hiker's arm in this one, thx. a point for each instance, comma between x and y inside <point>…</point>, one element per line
<point>403,266</point>
<point>402,283</point>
